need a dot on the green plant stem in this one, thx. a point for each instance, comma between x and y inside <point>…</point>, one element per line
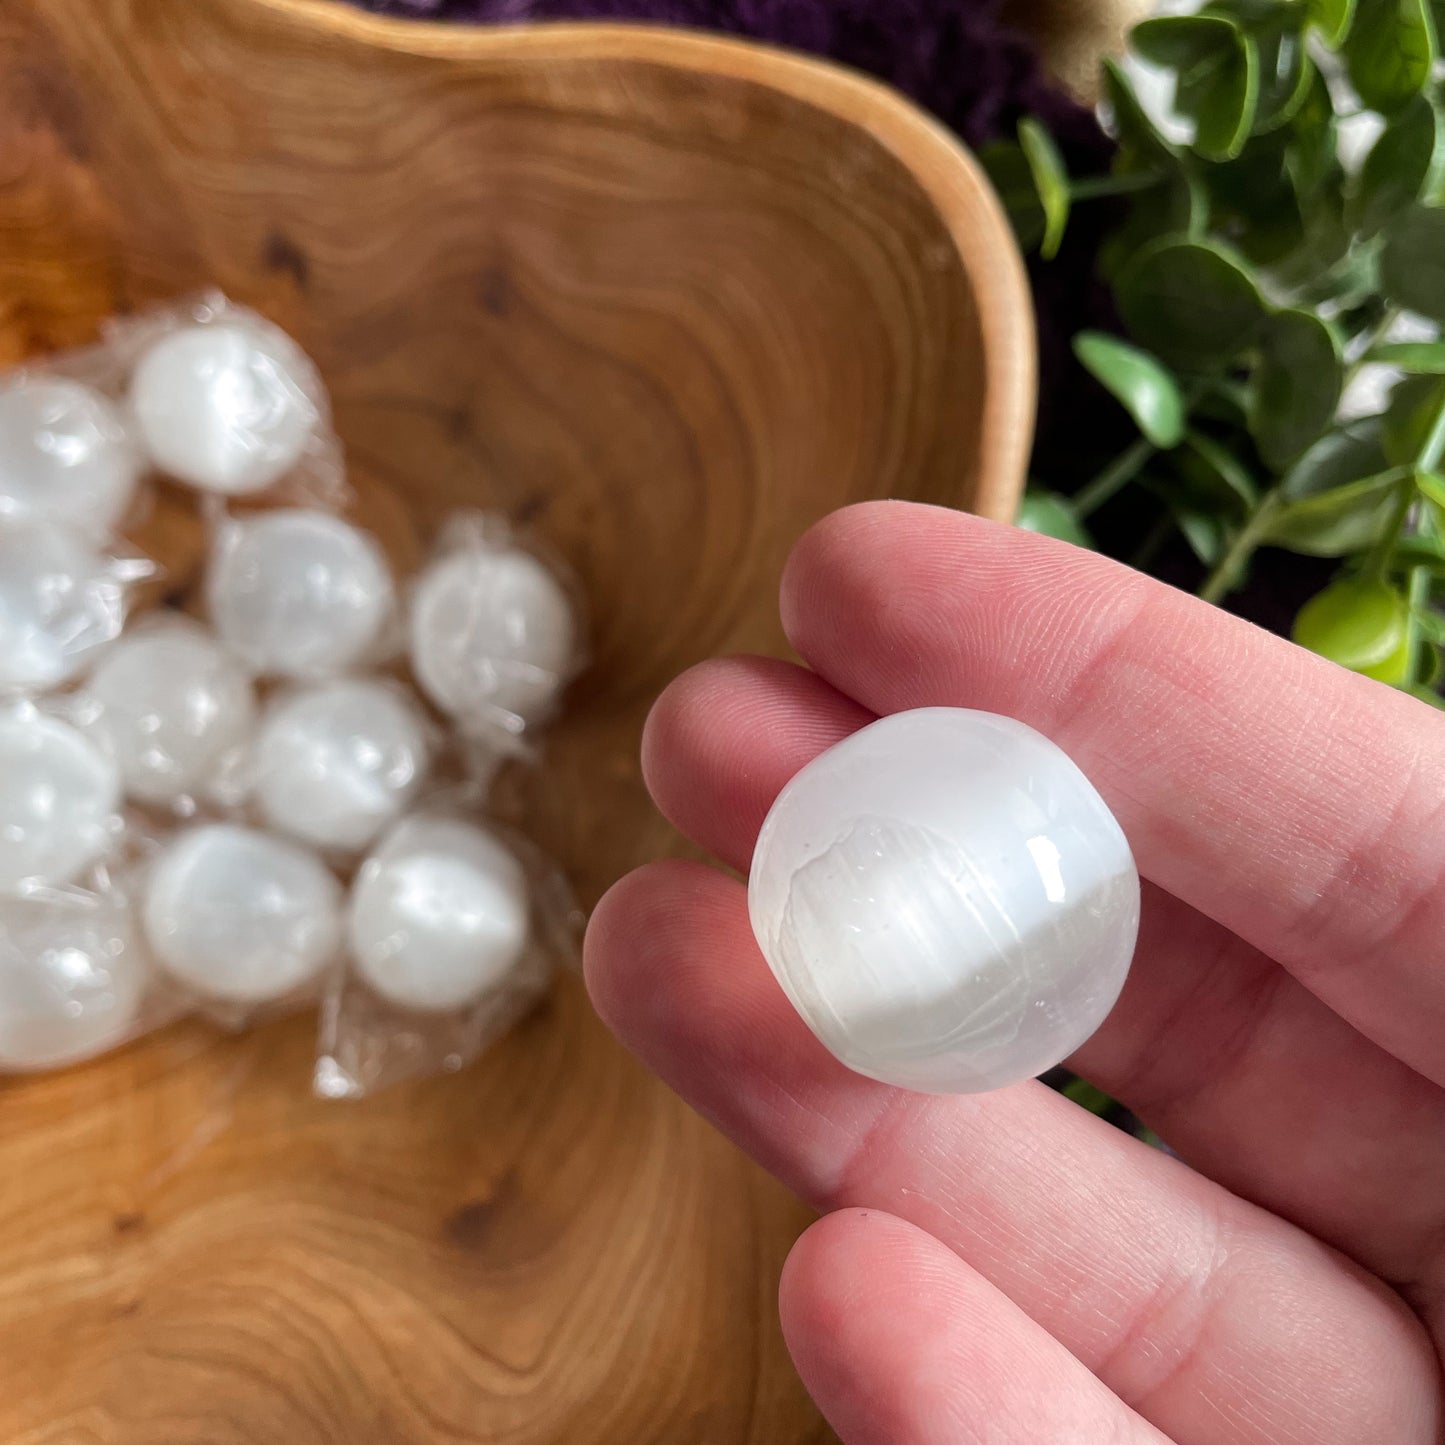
<point>1418,595</point>
<point>1377,561</point>
<point>1430,453</point>
<point>1419,599</point>
<point>1130,462</point>
<point>1371,339</point>
<point>1418,587</point>
<point>1094,187</point>
<point>1122,470</point>
<point>1227,571</point>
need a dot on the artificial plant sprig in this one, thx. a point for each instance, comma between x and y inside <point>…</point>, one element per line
<point>1263,276</point>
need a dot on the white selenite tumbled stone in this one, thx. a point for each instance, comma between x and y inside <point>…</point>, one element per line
<point>299,593</point>
<point>171,706</point>
<point>493,637</point>
<point>229,408</point>
<point>65,456</point>
<point>337,762</point>
<point>72,977</point>
<point>60,602</point>
<point>946,900</point>
<point>439,915</point>
<point>59,800</point>
<point>239,916</point>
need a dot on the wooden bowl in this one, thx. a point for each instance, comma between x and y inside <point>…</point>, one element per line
<point>667,299</point>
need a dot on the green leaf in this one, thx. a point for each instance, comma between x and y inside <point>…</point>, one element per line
<point>1426,694</point>
<point>1086,1096</point>
<point>1432,487</point>
<point>1212,478</point>
<point>1412,263</point>
<point>1328,269</point>
<point>1432,667</point>
<point>1254,201</point>
<point>1310,159</point>
<point>1348,455</point>
<point>1414,404</point>
<point>1051,516</point>
<point>1390,51</point>
<point>1420,358</point>
<point>1420,551</point>
<point>1012,178</point>
<point>1193,303</point>
<point>1051,180</point>
<point>1431,625</point>
<point>1130,122</point>
<point>1144,386</point>
<point>1358,622</point>
<point>1179,206</point>
<point>1226,401</point>
<point>1332,19</point>
<point>1327,257</point>
<point>1218,68</point>
<point>1184,43</point>
<point>1206,534</point>
<point>1397,667</point>
<point>1297,385</point>
<point>1397,168</point>
<point>1223,100</point>
<point>1346,520</point>
<point>1285,72</point>
<point>1336,498</point>
<point>1252,15</point>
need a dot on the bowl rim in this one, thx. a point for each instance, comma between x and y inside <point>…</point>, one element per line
<point>944,168</point>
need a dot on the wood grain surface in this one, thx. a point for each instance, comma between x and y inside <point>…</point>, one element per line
<point>665,299</point>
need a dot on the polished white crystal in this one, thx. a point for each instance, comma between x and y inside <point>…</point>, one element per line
<point>337,761</point>
<point>946,901</point>
<point>171,706</point>
<point>298,593</point>
<point>493,638</point>
<point>60,602</point>
<point>439,915</point>
<point>227,407</point>
<point>65,456</point>
<point>240,916</point>
<point>59,800</point>
<point>73,974</point>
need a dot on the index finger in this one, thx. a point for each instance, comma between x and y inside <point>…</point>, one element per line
<point>1295,803</point>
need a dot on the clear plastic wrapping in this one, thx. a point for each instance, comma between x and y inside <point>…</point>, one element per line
<point>67,455</point>
<point>297,592</point>
<point>264,785</point>
<point>336,763</point>
<point>173,709</point>
<point>60,798</point>
<point>75,977</point>
<point>494,632</point>
<point>224,403</point>
<point>63,598</point>
<point>454,928</point>
<point>242,923</point>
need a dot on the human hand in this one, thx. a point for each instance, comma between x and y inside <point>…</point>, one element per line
<point>1005,1268</point>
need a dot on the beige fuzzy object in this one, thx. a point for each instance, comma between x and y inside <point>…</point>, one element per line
<point>1074,35</point>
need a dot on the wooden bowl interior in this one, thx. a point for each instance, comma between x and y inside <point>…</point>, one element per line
<point>666,301</point>
<point>664,315</point>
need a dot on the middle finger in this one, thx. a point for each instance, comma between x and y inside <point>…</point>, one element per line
<point>1218,1048</point>
<point>1220,1323</point>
